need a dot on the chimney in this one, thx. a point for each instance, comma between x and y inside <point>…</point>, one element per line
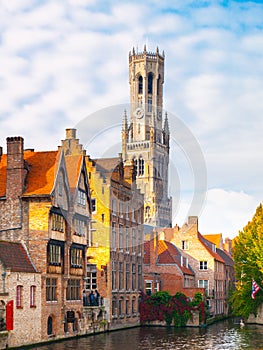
<point>153,248</point>
<point>70,133</point>
<point>15,173</point>
<point>192,220</point>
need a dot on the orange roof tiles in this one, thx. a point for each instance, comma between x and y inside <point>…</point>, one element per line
<point>215,238</point>
<point>42,172</point>
<point>73,165</point>
<point>41,175</point>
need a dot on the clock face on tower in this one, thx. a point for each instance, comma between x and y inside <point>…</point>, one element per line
<point>138,113</point>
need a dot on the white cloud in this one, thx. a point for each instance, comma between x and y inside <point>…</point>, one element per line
<point>64,60</point>
<point>227,212</point>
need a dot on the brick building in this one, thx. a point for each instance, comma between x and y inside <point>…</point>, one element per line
<point>20,297</point>
<point>115,262</point>
<point>45,205</point>
<point>208,265</point>
<point>167,269</point>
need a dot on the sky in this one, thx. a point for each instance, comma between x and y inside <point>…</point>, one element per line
<point>64,64</point>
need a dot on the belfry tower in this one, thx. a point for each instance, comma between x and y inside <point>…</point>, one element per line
<point>145,138</point>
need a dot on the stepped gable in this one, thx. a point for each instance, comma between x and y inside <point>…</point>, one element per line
<point>15,258</point>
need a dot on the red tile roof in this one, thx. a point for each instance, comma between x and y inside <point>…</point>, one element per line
<point>167,254</point>
<point>15,258</point>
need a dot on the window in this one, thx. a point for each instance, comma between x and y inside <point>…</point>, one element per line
<point>127,307</point>
<point>19,297</point>
<point>149,104</point>
<point>150,83</point>
<point>133,277</point>
<point>139,276</point>
<point>127,239</point>
<point>80,227</point>
<point>120,307</point>
<point>81,197</point>
<point>140,84</point>
<point>127,276</point>
<point>57,222</point>
<point>121,237</point>
<point>141,167</point>
<point>184,245</point>
<point>136,166</point>
<point>73,290</point>
<point>203,265</point>
<point>113,275</point>
<point>114,206</point>
<point>76,257</point>
<point>156,287</point>
<point>203,284</point>
<point>133,240</point>
<point>91,279</point>
<point>113,307</point>
<point>54,254</point>
<point>93,205</point>
<point>113,235</point>
<point>148,287</point>
<point>51,289</point>
<point>32,296</point>
<point>133,306</point>
<point>120,275</point>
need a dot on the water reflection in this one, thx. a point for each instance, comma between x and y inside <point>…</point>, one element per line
<point>224,335</point>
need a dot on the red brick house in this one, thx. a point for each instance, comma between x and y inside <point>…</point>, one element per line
<point>165,268</point>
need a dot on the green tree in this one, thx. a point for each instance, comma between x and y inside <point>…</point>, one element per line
<point>248,257</point>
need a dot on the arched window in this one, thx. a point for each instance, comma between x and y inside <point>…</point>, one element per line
<point>140,85</point>
<point>150,83</point>
<point>49,325</point>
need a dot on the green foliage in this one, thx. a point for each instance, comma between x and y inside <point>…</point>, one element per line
<point>248,257</point>
<point>162,306</point>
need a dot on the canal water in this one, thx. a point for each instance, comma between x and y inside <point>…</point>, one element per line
<point>222,335</point>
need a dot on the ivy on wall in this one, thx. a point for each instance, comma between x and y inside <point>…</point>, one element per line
<point>176,309</point>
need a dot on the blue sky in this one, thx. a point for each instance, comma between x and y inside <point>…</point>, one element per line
<point>64,61</point>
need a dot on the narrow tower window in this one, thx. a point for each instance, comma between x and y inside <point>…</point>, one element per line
<point>150,83</point>
<point>140,86</point>
<point>141,166</point>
